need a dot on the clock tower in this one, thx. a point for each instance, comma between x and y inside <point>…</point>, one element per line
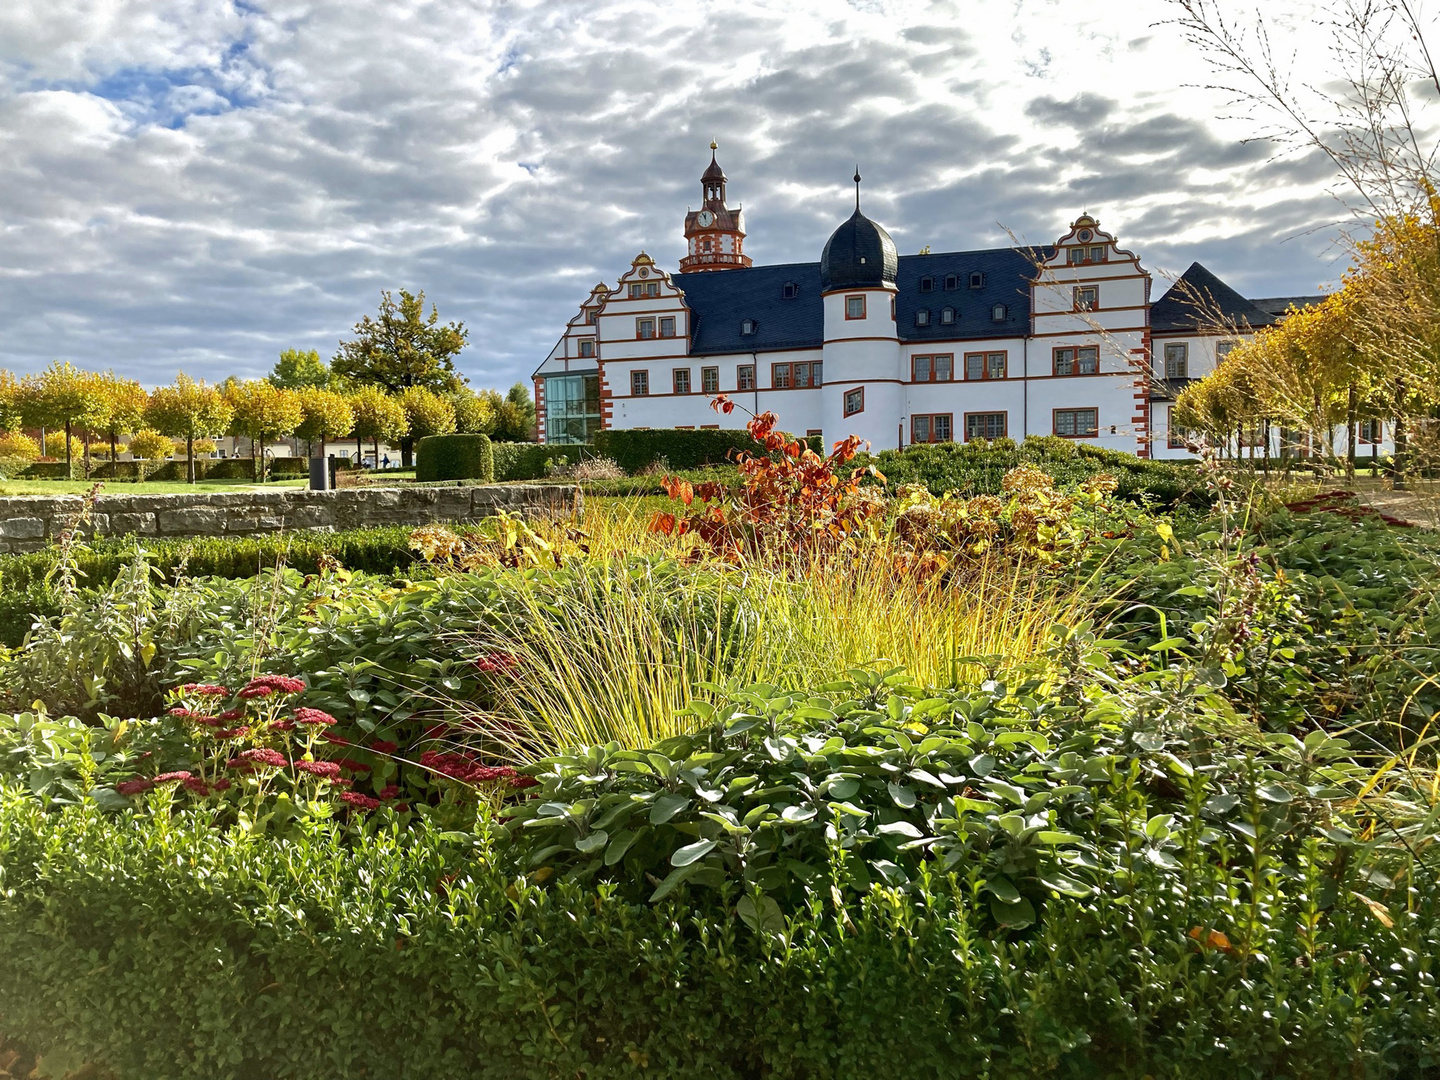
<point>714,234</point>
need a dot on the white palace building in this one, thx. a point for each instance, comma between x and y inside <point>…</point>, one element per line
<point>897,349</point>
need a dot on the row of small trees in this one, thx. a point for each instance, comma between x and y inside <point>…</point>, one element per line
<point>393,382</point>
<point>1369,352</point>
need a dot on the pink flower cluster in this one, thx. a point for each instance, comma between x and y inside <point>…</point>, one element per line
<point>498,663</point>
<point>359,801</point>
<point>259,756</point>
<point>265,685</point>
<point>384,746</point>
<point>469,770</point>
<point>326,770</point>
<point>313,717</point>
<point>206,689</point>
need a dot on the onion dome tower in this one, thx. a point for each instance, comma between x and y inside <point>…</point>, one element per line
<point>859,254</point>
<point>714,234</point>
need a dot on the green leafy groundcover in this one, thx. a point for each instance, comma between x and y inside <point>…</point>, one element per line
<point>1186,911</point>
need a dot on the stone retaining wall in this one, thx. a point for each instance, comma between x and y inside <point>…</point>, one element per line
<point>29,522</point>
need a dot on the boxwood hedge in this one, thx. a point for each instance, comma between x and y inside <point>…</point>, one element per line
<point>454,457</point>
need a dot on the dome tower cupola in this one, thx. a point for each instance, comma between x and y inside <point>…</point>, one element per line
<point>859,254</point>
<point>714,234</point>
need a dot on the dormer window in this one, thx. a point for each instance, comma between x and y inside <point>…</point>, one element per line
<point>998,313</point>
<point>947,316</point>
<point>977,279</point>
<point>952,281</point>
<point>789,290</point>
<point>922,317</point>
<point>747,326</point>
<point>927,284</point>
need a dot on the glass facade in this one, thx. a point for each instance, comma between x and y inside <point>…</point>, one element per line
<point>572,408</point>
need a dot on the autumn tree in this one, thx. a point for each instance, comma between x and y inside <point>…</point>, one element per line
<point>475,414</point>
<point>61,396</point>
<point>298,369</point>
<point>188,409</point>
<point>147,444</point>
<point>377,416</point>
<point>262,412</point>
<point>426,413</point>
<point>11,401</point>
<point>121,408</point>
<point>325,415</point>
<point>402,347</point>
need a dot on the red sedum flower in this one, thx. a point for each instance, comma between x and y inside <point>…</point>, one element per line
<point>356,799</point>
<point>326,770</point>
<point>134,787</point>
<point>206,689</point>
<point>261,756</point>
<point>314,717</point>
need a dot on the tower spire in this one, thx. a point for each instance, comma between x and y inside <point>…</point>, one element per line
<point>857,188</point>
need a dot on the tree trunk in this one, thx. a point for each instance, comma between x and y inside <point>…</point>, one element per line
<point>1265,456</point>
<point>189,458</point>
<point>1351,429</point>
<point>69,464</point>
<point>407,446</point>
<point>255,463</point>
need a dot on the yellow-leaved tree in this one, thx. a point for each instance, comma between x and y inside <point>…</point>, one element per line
<point>188,409</point>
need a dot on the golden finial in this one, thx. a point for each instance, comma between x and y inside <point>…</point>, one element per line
<point>714,145</point>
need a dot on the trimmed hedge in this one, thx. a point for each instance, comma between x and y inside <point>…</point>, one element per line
<point>163,949</point>
<point>464,456</point>
<point>529,461</point>
<point>978,467</point>
<point>635,451</point>
<point>235,468</point>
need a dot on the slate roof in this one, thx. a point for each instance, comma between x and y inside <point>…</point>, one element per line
<point>1278,305</point>
<point>1194,301</point>
<point>858,255</point>
<point>720,300</point>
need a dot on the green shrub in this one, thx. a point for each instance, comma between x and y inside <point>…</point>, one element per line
<point>51,470</point>
<point>454,457</point>
<point>1198,915</point>
<point>530,461</point>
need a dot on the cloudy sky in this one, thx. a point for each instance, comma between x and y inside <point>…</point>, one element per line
<point>202,183</point>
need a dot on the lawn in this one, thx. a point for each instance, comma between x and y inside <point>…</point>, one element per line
<point>1052,777</point>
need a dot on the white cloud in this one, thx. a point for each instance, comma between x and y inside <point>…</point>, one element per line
<point>201,183</point>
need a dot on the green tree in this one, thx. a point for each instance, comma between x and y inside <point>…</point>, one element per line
<point>402,347</point>
<point>298,368</point>
<point>377,416</point>
<point>475,414</point>
<point>61,396</point>
<point>426,413</point>
<point>188,409</point>
<point>11,401</point>
<point>262,412</point>
<point>519,398</point>
<point>327,415</point>
<point>150,445</point>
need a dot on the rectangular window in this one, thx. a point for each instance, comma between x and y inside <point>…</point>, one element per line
<point>682,380</point>
<point>985,365</point>
<point>1075,256</point>
<point>944,368</point>
<point>854,307</point>
<point>639,383</point>
<point>1097,254</point>
<point>920,369</point>
<point>1081,360</point>
<point>667,326</point>
<point>591,317</point>
<point>1087,297</point>
<point>710,380</point>
<point>745,377</point>
<point>1177,360</point>
<point>572,408</point>
<point>933,428</point>
<point>652,288</point>
<point>587,347</point>
<point>814,433</point>
<point>1222,349</point>
<point>635,290</point>
<point>644,329</point>
<point>780,376</point>
<point>816,370</point>
<point>854,401</point>
<point>807,375</point>
<point>985,425</point>
<point>1371,431</point>
<point>1175,435</point>
<point>1077,423</point>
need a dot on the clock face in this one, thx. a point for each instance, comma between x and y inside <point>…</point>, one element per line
<point>705,218</point>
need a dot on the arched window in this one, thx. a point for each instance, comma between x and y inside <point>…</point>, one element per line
<point>747,326</point>
<point>789,290</point>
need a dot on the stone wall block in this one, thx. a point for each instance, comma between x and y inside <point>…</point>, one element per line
<point>23,528</point>
<point>126,524</point>
<point>191,521</point>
